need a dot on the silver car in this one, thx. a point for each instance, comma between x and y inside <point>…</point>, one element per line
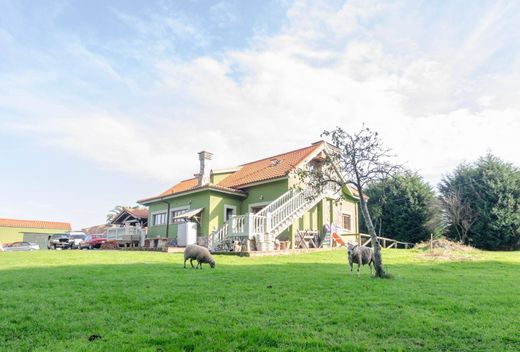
<point>76,239</point>
<point>21,246</point>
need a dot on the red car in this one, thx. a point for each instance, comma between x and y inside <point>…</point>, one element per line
<point>92,241</point>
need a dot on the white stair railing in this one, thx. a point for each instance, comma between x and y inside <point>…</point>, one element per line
<point>258,225</point>
<point>276,203</point>
<point>218,236</point>
<point>236,226</point>
<point>301,202</point>
<point>272,219</point>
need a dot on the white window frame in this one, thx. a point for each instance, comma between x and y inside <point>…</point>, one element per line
<point>226,207</point>
<point>165,212</point>
<point>253,205</point>
<point>343,222</point>
<point>177,221</point>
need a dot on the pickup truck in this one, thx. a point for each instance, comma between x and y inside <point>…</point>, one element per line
<point>60,240</point>
<point>92,241</point>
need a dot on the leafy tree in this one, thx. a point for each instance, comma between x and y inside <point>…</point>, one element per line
<point>403,207</point>
<point>358,159</point>
<point>487,193</point>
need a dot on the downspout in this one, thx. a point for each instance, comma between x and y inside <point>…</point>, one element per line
<point>167,218</point>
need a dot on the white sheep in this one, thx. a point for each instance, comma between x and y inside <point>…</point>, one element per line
<point>200,254</point>
<point>360,255</point>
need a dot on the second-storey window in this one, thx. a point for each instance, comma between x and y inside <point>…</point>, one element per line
<point>347,224</point>
<point>159,219</point>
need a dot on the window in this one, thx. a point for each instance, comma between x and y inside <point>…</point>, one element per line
<point>256,209</point>
<point>178,212</point>
<point>159,219</point>
<point>347,225</point>
<point>229,212</point>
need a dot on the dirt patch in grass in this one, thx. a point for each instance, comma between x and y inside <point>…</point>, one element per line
<point>444,249</point>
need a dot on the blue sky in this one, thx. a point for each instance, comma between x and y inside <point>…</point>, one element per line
<point>103,103</point>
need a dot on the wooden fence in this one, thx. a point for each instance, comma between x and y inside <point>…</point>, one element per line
<point>385,242</point>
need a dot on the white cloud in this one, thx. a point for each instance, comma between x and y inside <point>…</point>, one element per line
<point>325,68</point>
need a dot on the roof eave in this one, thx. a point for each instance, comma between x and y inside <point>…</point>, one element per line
<point>252,184</point>
<point>190,191</point>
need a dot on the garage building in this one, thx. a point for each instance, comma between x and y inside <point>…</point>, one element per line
<point>13,230</point>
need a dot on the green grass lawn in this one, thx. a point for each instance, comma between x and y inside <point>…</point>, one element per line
<point>145,301</point>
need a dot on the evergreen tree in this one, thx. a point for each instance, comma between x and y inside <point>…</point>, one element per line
<point>403,207</point>
<point>487,203</point>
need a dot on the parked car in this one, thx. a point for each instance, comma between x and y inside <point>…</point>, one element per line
<point>60,240</point>
<point>21,246</point>
<point>92,241</point>
<point>76,239</point>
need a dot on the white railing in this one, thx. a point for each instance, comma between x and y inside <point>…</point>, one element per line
<point>236,226</point>
<point>276,203</point>
<point>125,233</point>
<point>300,202</point>
<point>258,224</point>
<point>272,219</point>
<point>239,225</point>
<point>218,236</point>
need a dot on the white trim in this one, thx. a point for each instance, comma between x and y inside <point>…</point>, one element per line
<point>247,185</point>
<point>225,171</point>
<point>257,205</point>
<point>226,207</point>
<point>180,194</point>
<point>183,207</point>
<point>155,213</point>
<point>351,220</point>
<point>180,208</point>
<point>310,156</point>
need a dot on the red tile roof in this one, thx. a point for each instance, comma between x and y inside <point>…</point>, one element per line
<point>181,187</point>
<point>34,224</point>
<point>141,213</point>
<point>184,186</point>
<point>268,168</point>
<point>257,171</point>
<point>96,230</point>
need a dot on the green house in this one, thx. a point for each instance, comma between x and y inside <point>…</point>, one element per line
<point>254,201</point>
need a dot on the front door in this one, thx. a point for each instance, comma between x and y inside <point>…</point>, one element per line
<point>230,212</point>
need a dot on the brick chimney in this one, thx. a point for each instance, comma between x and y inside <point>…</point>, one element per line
<point>204,175</point>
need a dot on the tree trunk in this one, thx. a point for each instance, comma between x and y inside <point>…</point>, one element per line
<point>378,261</point>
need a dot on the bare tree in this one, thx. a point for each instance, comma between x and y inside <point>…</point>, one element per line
<point>356,160</point>
<point>459,214</point>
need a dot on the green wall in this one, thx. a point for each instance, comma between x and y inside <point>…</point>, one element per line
<point>193,201</point>
<point>314,219</point>
<point>264,193</point>
<point>311,220</point>
<point>213,203</point>
<point>218,201</point>
<point>15,234</point>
